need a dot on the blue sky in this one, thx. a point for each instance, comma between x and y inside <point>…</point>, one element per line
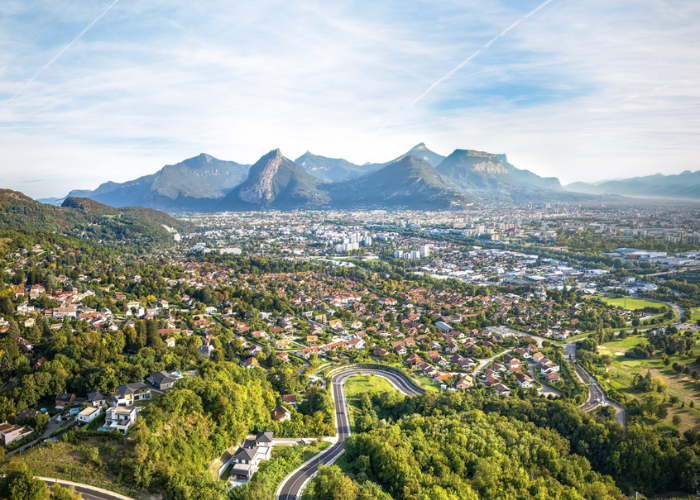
<point>582,90</point>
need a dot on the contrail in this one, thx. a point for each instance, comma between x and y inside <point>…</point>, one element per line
<point>59,54</point>
<point>466,61</point>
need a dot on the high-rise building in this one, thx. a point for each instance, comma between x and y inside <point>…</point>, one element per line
<point>425,251</point>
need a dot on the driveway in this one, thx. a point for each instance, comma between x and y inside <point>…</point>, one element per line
<point>51,427</point>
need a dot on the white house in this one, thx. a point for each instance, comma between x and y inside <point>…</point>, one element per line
<point>89,414</point>
<point>120,418</point>
<point>10,433</point>
<point>246,460</point>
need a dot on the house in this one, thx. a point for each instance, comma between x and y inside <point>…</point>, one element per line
<point>64,400</point>
<point>10,433</point>
<point>379,352</point>
<point>464,382</point>
<point>162,380</point>
<point>205,350</point>
<point>290,399</point>
<point>524,381</point>
<point>553,376</point>
<point>502,390</point>
<point>128,394</point>
<point>97,399</point>
<point>120,418</point>
<point>88,414</point>
<point>281,414</point>
<point>247,458</point>
<point>511,361</point>
<point>250,362</point>
<point>356,344</point>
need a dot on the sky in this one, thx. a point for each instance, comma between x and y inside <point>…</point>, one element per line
<point>584,90</point>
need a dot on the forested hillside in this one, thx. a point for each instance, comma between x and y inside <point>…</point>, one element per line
<point>88,219</point>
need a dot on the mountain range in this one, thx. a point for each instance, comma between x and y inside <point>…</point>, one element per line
<point>192,184</point>
<point>683,186</point>
<point>418,179</point>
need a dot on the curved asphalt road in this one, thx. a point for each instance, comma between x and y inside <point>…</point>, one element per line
<point>293,485</point>
<point>87,492</point>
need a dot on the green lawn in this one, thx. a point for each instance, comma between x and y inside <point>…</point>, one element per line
<point>360,384</point>
<point>620,376</point>
<point>695,314</point>
<point>630,303</point>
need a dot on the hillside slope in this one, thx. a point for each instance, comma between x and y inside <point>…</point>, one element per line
<point>408,182</point>
<point>84,218</point>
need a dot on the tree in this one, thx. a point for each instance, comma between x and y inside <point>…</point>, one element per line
<point>7,365</point>
<point>19,484</point>
<point>676,420</point>
<point>58,492</point>
<point>662,412</point>
<point>651,403</point>
<point>331,484</point>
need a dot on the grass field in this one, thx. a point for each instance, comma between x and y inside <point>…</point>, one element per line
<point>358,385</point>
<point>695,314</point>
<point>621,373</point>
<point>629,303</point>
<point>361,384</point>
<point>71,461</point>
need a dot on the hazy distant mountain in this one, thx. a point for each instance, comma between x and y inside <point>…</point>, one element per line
<point>418,179</point>
<point>685,185</point>
<point>407,182</point>
<point>339,170</point>
<point>485,174</point>
<point>423,153</point>
<point>329,169</point>
<point>275,181</point>
<point>420,151</point>
<point>191,184</point>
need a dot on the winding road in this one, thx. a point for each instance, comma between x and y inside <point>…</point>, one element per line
<point>293,485</point>
<point>597,396</point>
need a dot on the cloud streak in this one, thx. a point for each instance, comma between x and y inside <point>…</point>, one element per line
<point>59,54</point>
<point>466,61</point>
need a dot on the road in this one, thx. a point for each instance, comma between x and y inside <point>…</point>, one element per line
<point>486,362</point>
<point>87,492</point>
<point>597,397</point>
<point>293,485</point>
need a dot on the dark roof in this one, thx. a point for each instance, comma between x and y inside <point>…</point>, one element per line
<point>263,437</point>
<point>95,396</point>
<point>131,388</point>
<point>245,454</point>
<point>64,396</point>
<point>163,377</point>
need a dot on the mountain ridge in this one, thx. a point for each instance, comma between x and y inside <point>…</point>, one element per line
<point>683,186</point>
<point>204,183</point>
